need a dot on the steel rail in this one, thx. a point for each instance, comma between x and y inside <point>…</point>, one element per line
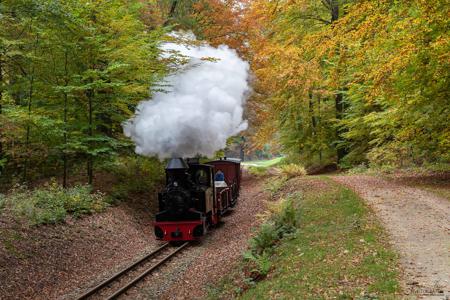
<point>120,273</point>
<point>145,273</point>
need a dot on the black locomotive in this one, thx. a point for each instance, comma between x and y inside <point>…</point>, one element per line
<point>193,199</point>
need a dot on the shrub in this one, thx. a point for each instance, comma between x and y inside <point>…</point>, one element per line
<point>259,266</point>
<point>282,221</point>
<point>52,203</point>
<point>267,236</point>
<point>359,169</point>
<point>292,170</point>
<point>287,219</point>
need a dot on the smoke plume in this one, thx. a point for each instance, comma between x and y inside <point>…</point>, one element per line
<point>200,110</point>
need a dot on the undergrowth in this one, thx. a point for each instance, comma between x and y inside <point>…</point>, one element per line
<point>281,222</point>
<point>52,203</point>
<point>274,185</point>
<point>134,175</point>
<point>258,171</point>
<point>292,170</point>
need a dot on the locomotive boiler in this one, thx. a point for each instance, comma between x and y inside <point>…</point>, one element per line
<point>196,197</point>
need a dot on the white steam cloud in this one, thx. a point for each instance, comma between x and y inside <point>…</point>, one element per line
<point>198,113</point>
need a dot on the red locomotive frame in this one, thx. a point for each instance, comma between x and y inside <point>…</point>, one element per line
<point>211,199</point>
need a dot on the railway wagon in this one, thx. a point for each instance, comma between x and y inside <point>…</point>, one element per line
<point>196,197</point>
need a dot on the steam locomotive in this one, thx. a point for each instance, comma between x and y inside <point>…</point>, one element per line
<point>196,197</point>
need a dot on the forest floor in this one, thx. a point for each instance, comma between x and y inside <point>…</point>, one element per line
<point>61,261</point>
<point>51,261</point>
<point>416,214</point>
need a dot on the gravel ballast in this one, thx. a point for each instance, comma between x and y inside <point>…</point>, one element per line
<point>188,275</point>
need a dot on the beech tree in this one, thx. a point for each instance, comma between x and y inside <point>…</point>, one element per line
<point>352,81</point>
<point>71,73</point>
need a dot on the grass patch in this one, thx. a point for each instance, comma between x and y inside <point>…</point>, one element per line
<point>264,163</point>
<point>440,191</point>
<point>52,204</point>
<point>337,251</point>
<point>258,171</point>
<point>260,168</point>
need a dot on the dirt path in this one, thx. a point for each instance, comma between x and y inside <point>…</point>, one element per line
<point>419,224</point>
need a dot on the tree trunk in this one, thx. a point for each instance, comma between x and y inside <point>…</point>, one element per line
<point>30,103</point>
<point>242,149</point>
<point>339,98</point>
<point>66,83</point>
<point>334,10</point>
<point>28,131</point>
<point>1,108</point>
<point>173,7</point>
<point>311,111</point>
<point>319,116</point>
<point>90,162</point>
<point>341,152</point>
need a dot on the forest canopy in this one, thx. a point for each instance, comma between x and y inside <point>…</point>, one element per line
<point>351,82</point>
<point>71,72</point>
<point>357,82</point>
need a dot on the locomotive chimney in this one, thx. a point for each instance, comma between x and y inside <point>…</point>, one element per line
<point>177,164</point>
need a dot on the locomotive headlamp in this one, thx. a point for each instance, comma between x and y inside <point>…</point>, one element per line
<point>177,233</point>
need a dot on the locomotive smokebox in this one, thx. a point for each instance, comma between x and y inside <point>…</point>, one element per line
<point>176,164</point>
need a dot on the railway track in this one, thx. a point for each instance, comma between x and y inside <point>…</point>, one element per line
<point>120,282</point>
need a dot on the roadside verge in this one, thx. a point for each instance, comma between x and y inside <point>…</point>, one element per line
<point>338,250</point>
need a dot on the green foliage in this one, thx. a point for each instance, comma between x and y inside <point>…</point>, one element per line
<point>265,239</point>
<point>134,174</point>
<point>260,265</point>
<point>274,185</point>
<point>52,204</point>
<point>282,222</point>
<point>257,171</point>
<point>2,202</point>
<point>70,73</point>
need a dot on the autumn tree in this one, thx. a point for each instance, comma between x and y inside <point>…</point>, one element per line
<point>352,82</point>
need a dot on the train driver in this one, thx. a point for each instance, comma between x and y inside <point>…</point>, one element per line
<point>219,179</point>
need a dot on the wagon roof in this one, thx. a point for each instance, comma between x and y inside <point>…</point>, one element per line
<point>226,159</point>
